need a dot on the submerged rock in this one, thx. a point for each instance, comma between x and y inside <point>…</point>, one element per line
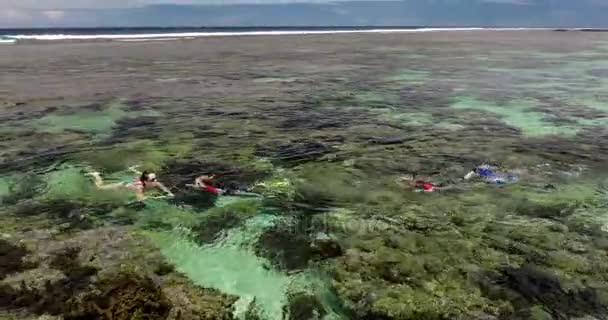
<point>69,214</point>
<point>529,285</point>
<point>291,248</point>
<point>218,220</point>
<point>326,246</point>
<point>285,248</point>
<point>97,280</point>
<point>195,303</point>
<point>120,296</point>
<point>556,210</point>
<point>12,259</point>
<point>66,260</point>
<point>303,306</point>
<point>387,141</point>
<point>28,187</point>
<point>295,152</point>
<point>54,297</point>
<point>130,129</point>
<point>123,296</point>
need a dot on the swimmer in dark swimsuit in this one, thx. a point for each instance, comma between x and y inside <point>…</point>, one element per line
<point>145,181</point>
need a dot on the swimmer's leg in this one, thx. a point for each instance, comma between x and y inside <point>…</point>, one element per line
<point>100,185</point>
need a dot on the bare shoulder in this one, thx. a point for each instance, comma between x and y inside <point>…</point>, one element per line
<point>155,184</point>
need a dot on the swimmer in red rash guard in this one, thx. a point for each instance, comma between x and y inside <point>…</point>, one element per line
<point>205,183</point>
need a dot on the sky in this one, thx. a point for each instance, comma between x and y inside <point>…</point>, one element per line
<point>168,13</point>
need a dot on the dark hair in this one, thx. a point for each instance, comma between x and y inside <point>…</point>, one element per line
<point>144,177</point>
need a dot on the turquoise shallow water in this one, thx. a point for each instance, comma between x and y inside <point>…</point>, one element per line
<point>333,225</point>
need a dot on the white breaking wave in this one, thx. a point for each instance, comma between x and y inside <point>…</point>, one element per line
<point>7,41</point>
<point>153,39</point>
<point>54,37</point>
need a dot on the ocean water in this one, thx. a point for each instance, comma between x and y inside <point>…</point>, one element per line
<point>319,136</point>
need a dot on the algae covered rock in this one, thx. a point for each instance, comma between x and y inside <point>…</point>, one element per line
<point>303,306</point>
<point>530,286</point>
<point>12,258</point>
<point>286,248</point>
<point>54,297</point>
<point>195,303</point>
<point>326,246</point>
<point>164,295</point>
<point>291,244</point>
<point>70,215</point>
<point>408,275</point>
<point>294,152</point>
<point>122,296</point>
<point>97,281</point>
<point>220,219</point>
<point>27,187</point>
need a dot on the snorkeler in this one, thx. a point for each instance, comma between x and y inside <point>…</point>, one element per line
<point>418,184</point>
<point>145,181</point>
<point>491,175</point>
<point>424,185</point>
<point>205,183</point>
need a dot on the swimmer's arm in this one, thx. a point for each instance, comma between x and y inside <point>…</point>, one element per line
<point>164,189</point>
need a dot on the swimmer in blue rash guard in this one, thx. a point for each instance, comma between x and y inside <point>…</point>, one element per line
<point>491,175</point>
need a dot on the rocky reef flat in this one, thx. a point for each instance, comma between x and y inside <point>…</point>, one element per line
<point>319,140</point>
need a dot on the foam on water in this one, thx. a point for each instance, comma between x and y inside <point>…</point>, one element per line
<point>51,37</point>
